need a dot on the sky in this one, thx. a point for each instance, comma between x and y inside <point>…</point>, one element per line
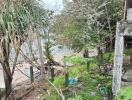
<point>55,5</point>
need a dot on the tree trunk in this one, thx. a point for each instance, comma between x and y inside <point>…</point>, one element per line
<point>86,53</point>
<point>8,84</point>
<point>66,78</point>
<point>52,74</point>
<point>7,76</point>
<point>100,58</point>
<point>6,67</point>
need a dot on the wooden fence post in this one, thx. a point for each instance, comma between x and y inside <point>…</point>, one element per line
<point>52,74</point>
<point>31,74</point>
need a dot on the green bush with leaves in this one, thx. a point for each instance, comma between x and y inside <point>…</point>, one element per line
<point>75,60</point>
<point>59,81</point>
<point>78,60</point>
<point>124,94</point>
<point>76,71</point>
<point>108,57</point>
<point>91,82</point>
<point>78,97</point>
<point>127,52</point>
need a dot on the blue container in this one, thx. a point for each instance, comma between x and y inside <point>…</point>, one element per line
<point>72,81</point>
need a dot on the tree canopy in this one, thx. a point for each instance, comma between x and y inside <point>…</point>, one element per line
<point>86,23</point>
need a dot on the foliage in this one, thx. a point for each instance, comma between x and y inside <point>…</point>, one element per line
<point>108,57</point>
<point>59,81</point>
<point>75,60</point>
<point>78,97</point>
<point>90,83</point>
<point>47,51</point>
<point>84,24</point>
<point>17,17</point>
<point>128,51</point>
<point>124,94</point>
<point>76,71</point>
<point>53,97</point>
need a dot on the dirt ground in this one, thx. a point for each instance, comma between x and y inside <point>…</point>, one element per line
<point>21,79</point>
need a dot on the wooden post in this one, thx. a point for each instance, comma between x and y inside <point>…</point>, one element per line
<point>88,65</point>
<point>66,78</point>
<point>52,74</point>
<point>100,59</point>
<point>125,10</point>
<point>118,60</point>
<point>66,73</point>
<point>31,74</point>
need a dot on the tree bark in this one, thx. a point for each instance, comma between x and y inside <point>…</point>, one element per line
<point>7,77</point>
<point>6,68</point>
<point>15,61</point>
<point>100,59</point>
<point>8,84</point>
<point>86,53</point>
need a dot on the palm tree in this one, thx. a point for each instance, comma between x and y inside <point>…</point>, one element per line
<point>16,16</point>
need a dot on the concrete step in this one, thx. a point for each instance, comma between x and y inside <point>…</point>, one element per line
<point>128,72</point>
<point>126,84</point>
<point>127,78</point>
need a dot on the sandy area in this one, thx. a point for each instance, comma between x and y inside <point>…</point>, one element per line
<point>18,76</point>
<point>24,67</point>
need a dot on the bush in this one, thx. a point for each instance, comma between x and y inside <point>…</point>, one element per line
<point>75,60</point>
<point>76,71</point>
<point>124,94</point>
<point>59,81</point>
<point>108,57</point>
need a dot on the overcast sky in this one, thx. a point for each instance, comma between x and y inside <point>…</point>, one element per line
<point>55,5</point>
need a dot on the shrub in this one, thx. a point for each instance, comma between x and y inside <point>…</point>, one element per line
<point>59,81</point>
<point>124,94</point>
<point>75,60</point>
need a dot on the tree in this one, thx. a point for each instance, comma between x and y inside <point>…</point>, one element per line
<point>16,17</point>
<point>91,23</point>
